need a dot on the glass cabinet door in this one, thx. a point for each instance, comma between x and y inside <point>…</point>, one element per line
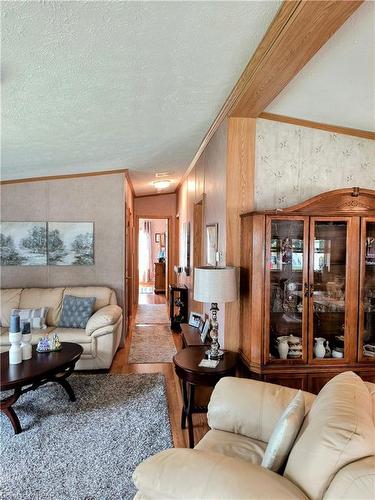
<point>286,290</point>
<point>367,304</point>
<point>327,290</point>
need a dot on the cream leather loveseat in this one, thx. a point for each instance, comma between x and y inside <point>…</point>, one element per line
<point>332,457</point>
<point>101,337</point>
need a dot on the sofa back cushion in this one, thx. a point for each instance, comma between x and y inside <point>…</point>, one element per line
<point>252,408</point>
<point>43,297</point>
<point>104,296</point>
<point>9,299</point>
<point>339,429</point>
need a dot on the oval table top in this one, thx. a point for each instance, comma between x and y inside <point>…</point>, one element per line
<point>41,364</point>
<point>187,360</point>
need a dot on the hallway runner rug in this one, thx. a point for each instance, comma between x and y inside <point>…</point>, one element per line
<point>152,344</point>
<point>151,314</point>
<point>87,449</point>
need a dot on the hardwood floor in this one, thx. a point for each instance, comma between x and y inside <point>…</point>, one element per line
<point>120,365</point>
<point>151,298</point>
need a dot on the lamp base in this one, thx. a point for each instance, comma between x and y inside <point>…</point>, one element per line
<point>214,355</point>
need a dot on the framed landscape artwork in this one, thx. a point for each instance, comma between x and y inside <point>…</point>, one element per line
<point>70,243</point>
<point>23,243</point>
<point>47,243</point>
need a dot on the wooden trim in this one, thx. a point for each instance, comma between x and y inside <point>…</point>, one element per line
<point>130,183</point>
<point>153,194</point>
<point>365,134</point>
<point>60,177</point>
<point>288,45</point>
<point>298,31</point>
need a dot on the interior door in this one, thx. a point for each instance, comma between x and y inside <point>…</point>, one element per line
<point>333,289</point>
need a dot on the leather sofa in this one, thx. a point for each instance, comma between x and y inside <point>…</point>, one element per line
<point>101,337</point>
<point>332,457</point>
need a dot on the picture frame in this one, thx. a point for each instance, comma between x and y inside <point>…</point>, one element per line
<point>194,319</point>
<point>201,325</point>
<point>157,237</point>
<point>212,241</point>
<point>162,239</point>
<point>205,330</point>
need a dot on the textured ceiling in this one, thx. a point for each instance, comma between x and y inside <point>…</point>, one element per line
<point>103,85</point>
<point>338,85</point>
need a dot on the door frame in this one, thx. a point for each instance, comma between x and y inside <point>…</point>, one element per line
<point>169,270</point>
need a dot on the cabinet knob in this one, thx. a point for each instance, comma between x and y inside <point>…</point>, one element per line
<point>306,289</point>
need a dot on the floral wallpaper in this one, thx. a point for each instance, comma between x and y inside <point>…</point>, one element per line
<point>294,163</point>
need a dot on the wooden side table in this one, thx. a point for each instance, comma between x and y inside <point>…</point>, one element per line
<point>186,365</point>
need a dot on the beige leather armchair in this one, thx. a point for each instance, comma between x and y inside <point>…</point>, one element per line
<point>332,457</point>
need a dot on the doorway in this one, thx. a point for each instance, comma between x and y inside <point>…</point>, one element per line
<point>153,256</point>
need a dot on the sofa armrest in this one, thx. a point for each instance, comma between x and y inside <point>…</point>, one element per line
<point>195,474</point>
<point>108,315</point>
<point>249,407</point>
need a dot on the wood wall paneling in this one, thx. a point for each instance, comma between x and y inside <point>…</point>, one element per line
<point>240,199</point>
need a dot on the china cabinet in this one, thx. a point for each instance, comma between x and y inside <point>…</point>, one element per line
<point>308,289</point>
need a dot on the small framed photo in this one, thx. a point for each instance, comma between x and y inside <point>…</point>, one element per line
<point>205,330</point>
<point>201,325</point>
<point>157,237</point>
<point>195,319</point>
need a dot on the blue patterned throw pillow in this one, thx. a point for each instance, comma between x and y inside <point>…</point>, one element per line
<point>76,311</point>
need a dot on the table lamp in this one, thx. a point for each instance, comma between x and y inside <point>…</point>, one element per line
<point>215,284</point>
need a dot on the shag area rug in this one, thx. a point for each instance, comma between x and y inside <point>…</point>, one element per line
<point>152,344</point>
<point>151,314</point>
<point>87,449</point>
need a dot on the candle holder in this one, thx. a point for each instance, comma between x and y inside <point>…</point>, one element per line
<point>15,351</point>
<point>15,337</point>
<point>26,342</point>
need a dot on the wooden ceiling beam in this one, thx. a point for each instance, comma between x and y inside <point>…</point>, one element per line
<point>298,31</point>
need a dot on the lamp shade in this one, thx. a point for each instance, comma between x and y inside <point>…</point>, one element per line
<point>215,284</point>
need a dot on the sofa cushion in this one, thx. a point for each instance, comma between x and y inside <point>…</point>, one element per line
<point>284,434</point>
<point>43,297</point>
<point>233,445</point>
<point>76,311</point>
<point>9,299</point>
<point>338,430</point>
<point>27,315</point>
<point>196,474</point>
<point>102,294</point>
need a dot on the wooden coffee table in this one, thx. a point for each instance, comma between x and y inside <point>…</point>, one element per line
<point>186,366</point>
<point>31,374</point>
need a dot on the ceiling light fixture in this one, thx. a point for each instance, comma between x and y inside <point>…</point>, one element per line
<point>159,185</point>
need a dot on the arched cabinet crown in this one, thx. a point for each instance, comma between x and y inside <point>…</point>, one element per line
<point>308,289</point>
